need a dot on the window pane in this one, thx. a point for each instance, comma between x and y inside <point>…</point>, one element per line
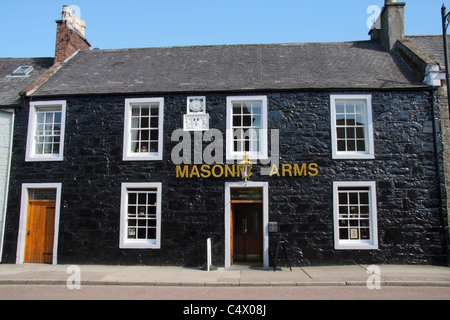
<point>360,133</point>
<point>154,122</point>
<point>145,111</point>
<point>40,117</point>
<point>341,145</point>
<point>340,107</point>
<point>350,133</point>
<point>246,121</point>
<point>155,111</point>
<point>361,145</point>
<point>351,145</point>
<point>237,109</point>
<point>57,117</point>
<point>144,123</point>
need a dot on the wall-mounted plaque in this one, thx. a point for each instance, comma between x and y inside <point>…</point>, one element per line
<point>196,118</point>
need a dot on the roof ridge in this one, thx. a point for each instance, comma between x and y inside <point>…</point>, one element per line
<point>227,45</point>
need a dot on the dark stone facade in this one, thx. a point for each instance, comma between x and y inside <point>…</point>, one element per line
<point>406,169</point>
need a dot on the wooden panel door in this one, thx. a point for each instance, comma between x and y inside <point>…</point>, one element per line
<point>247,232</point>
<point>40,231</point>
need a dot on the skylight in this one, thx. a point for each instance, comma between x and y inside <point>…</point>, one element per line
<point>22,71</point>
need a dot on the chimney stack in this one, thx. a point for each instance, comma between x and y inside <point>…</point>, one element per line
<point>70,35</point>
<point>390,25</point>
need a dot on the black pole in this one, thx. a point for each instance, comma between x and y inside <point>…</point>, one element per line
<point>444,34</point>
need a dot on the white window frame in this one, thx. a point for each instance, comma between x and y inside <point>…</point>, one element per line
<point>30,154</point>
<point>263,152</point>
<point>132,156</point>
<point>369,244</point>
<point>24,74</point>
<point>126,243</point>
<point>26,187</point>
<point>368,133</point>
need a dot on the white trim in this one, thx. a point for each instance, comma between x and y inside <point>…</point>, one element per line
<point>7,179</point>
<point>125,243</point>
<point>248,184</point>
<point>20,255</point>
<point>230,153</point>
<point>370,152</point>
<point>356,244</point>
<point>30,155</point>
<point>433,75</point>
<point>129,156</point>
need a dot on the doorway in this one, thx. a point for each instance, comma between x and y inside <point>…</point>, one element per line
<point>247,232</point>
<point>246,223</point>
<point>39,221</point>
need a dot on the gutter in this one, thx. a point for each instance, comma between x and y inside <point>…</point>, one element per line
<point>8,173</point>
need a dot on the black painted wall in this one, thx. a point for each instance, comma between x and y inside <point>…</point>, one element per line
<point>410,204</point>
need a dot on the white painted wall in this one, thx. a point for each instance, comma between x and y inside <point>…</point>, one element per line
<point>6,123</point>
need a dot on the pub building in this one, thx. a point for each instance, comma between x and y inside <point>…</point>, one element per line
<point>139,156</point>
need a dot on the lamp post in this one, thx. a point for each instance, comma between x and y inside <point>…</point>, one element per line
<point>445,23</point>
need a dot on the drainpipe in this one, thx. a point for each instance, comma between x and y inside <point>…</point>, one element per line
<point>8,172</point>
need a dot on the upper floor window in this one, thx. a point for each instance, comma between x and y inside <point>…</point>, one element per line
<point>143,130</point>
<point>247,127</point>
<point>355,215</point>
<point>46,122</point>
<point>351,123</point>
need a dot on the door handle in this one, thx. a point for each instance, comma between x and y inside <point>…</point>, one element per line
<point>245,226</point>
<point>28,233</point>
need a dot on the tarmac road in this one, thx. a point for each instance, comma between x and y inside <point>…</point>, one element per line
<point>123,292</point>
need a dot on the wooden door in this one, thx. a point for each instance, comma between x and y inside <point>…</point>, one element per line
<point>40,231</point>
<point>247,232</point>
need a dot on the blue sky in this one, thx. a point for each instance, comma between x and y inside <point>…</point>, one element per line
<point>28,27</point>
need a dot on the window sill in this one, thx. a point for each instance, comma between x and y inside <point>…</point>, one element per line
<point>141,157</point>
<point>353,156</point>
<point>139,245</point>
<point>47,158</point>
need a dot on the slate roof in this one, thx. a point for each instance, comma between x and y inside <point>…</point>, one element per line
<point>342,65</point>
<point>10,87</point>
<point>432,45</point>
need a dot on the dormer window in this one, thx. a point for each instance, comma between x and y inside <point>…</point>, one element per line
<point>22,71</point>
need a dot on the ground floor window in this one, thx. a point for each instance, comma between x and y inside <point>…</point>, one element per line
<point>355,218</point>
<point>140,215</point>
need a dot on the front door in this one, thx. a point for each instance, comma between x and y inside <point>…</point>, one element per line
<point>40,231</point>
<point>247,232</point>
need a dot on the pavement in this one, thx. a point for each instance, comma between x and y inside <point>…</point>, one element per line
<point>349,275</point>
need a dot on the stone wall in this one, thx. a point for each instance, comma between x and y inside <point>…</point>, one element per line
<point>445,129</point>
<point>410,210</point>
